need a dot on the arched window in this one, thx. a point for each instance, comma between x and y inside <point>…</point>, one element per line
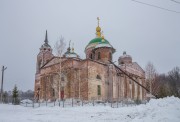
<point>130,82</point>
<point>99,55</point>
<point>91,56</point>
<point>62,78</point>
<point>98,77</point>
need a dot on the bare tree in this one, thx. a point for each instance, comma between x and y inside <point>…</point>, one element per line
<point>59,49</point>
<point>174,81</point>
<point>55,85</point>
<point>150,77</point>
<point>163,85</point>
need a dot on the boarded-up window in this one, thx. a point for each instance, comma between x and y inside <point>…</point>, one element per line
<point>99,55</point>
<point>99,89</point>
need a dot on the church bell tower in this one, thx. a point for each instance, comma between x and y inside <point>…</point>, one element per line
<point>45,54</point>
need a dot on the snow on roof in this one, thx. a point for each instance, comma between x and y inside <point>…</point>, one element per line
<point>103,45</point>
<point>71,55</point>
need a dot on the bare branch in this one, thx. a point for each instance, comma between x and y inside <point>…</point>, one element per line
<point>150,77</point>
<point>59,47</point>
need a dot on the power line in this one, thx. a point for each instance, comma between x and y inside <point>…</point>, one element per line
<point>155,6</point>
<point>175,1</point>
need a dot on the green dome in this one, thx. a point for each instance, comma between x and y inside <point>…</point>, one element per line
<point>98,40</point>
<point>71,55</point>
<point>98,43</point>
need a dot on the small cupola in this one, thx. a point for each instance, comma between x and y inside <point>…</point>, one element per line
<point>125,59</point>
<point>70,52</point>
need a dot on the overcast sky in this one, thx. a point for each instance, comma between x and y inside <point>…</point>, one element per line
<point>144,32</point>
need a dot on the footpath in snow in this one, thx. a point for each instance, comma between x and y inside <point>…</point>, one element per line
<point>160,110</point>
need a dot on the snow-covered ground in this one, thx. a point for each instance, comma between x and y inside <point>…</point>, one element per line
<point>161,110</point>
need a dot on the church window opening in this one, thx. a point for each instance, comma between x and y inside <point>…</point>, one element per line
<point>99,55</point>
<point>130,82</point>
<point>62,78</point>
<point>44,48</point>
<point>62,88</point>
<point>99,89</point>
<point>98,77</point>
<point>91,56</point>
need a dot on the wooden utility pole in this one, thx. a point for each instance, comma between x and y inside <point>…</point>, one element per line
<point>3,69</point>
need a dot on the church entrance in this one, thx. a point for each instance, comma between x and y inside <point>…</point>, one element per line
<point>62,95</point>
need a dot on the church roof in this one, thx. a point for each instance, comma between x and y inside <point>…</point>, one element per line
<point>133,68</point>
<point>71,55</point>
<point>125,56</point>
<point>98,40</point>
<point>46,44</point>
<point>103,45</point>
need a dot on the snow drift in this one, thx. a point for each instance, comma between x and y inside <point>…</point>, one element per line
<point>157,110</point>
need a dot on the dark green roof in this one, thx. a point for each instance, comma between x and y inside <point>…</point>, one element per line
<point>98,40</point>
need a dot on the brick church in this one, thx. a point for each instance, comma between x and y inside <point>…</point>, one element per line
<point>92,78</point>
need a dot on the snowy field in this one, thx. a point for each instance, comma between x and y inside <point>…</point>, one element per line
<point>161,110</point>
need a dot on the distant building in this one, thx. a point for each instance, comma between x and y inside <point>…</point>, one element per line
<point>92,78</point>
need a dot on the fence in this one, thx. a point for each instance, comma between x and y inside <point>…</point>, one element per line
<point>76,103</point>
<point>30,102</point>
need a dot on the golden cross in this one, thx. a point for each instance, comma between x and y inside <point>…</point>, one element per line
<point>69,43</point>
<point>98,20</point>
